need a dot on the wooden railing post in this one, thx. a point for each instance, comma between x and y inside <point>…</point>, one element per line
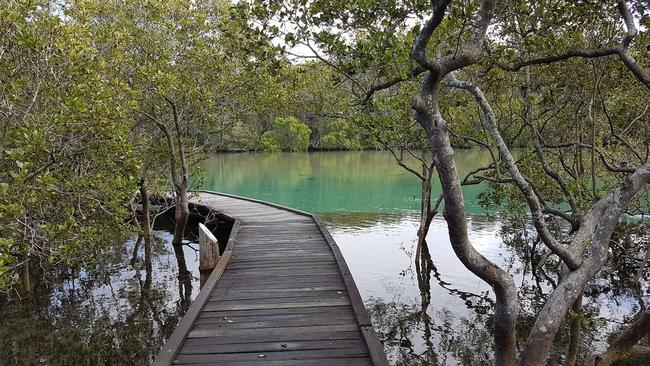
<point>208,252</point>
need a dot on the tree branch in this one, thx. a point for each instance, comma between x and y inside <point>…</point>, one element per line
<point>622,50</point>
<point>594,236</point>
<point>608,165</point>
<point>170,147</point>
<point>519,180</point>
<point>418,52</point>
<point>378,87</point>
<point>179,140</point>
<point>553,59</point>
<point>469,54</point>
<point>400,159</point>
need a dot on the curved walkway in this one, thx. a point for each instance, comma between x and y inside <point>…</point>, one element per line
<point>281,294</point>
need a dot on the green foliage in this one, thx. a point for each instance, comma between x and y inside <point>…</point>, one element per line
<point>66,166</point>
<point>288,134</point>
<point>82,82</point>
<point>301,90</point>
<point>269,142</point>
<point>342,135</point>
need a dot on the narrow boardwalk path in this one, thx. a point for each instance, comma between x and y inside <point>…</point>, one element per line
<point>280,295</point>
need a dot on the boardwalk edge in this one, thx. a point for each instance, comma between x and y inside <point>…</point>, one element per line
<point>167,354</point>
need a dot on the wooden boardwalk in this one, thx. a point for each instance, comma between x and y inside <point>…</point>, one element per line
<point>281,294</point>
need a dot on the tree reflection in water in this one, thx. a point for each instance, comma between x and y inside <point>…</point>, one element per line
<point>445,338</point>
<point>184,280</point>
<point>415,334</point>
<point>119,313</point>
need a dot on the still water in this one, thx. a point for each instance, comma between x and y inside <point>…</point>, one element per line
<point>118,313</point>
<point>121,312</point>
<point>364,182</point>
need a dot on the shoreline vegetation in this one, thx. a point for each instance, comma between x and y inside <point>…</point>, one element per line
<point>316,149</point>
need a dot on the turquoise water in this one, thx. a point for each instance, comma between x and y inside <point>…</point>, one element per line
<point>331,182</point>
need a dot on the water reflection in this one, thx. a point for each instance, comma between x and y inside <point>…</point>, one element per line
<point>441,314</point>
<point>184,279</point>
<point>120,312</point>
<point>447,338</point>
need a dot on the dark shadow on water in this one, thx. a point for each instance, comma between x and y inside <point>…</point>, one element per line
<point>118,312</point>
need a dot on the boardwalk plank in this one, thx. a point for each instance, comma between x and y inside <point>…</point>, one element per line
<point>315,362</point>
<point>273,346</point>
<point>286,317</point>
<point>276,311</point>
<point>273,356</point>
<point>299,320</point>
<point>286,293</point>
<point>269,304</point>
<point>253,298</point>
<point>283,337</point>
<point>277,331</point>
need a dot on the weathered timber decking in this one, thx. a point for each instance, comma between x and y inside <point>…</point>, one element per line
<point>281,294</point>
